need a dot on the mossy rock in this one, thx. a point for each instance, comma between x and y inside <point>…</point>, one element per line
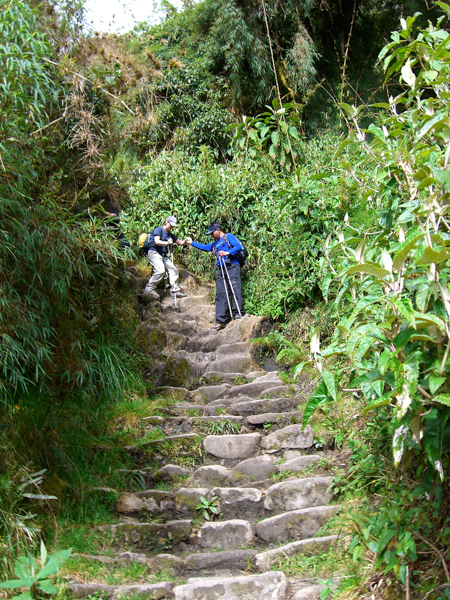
<point>178,372</point>
<point>151,339</point>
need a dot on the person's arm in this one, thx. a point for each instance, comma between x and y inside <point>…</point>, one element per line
<point>204,247</point>
<point>158,241</point>
<point>234,244</point>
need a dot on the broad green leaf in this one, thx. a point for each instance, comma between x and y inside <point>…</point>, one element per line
<point>443,398</point>
<point>319,397</point>
<point>369,269</point>
<point>15,583</point>
<point>427,320</point>
<point>350,110</point>
<point>383,401</point>
<point>330,382</point>
<point>405,248</point>
<point>26,596</point>
<point>435,383</point>
<point>299,368</point>
<point>47,587</point>
<point>430,256</point>
<point>405,307</point>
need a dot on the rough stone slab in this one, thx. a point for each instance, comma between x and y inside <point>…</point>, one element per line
<point>264,560</point>
<point>237,502</point>
<point>281,418</point>
<point>300,463</point>
<point>172,472</point>
<point>168,564</point>
<point>175,393</point>
<point>311,592</point>
<point>231,364</point>
<point>148,500</point>
<point>221,402</point>
<point>279,391</point>
<point>267,586</point>
<point>131,557</point>
<point>288,454</point>
<point>255,374</point>
<point>179,530</point>
<point>209,476</point>
<point>188,498</point>
<point>298,493</point>
<point>271,376</point>
<point>217,377</point>
<point>256,407</point>
<point>251,390</point>
<point>152,591</point>
<point>209,563</point>
<point>240,446</point>
<point>208,393</point>
<point>225,535</point>
<point>292,436</point>
<point>253,469</point>
<point>294,525</point>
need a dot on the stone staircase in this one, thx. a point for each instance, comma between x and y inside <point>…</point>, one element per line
<point>241,425</point>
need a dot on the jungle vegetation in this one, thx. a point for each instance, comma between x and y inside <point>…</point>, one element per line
<point>318,132</point>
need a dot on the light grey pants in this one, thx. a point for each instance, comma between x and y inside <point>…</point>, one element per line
<point>160,266</point>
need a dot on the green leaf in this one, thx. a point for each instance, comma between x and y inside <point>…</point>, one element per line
<point>435,383</point>
<point>319,397</point>
<point>405,248</point>
<point>15,583</point>
<point>350,110</point>
<point>331,384</point>
<point>368,269</point>
<point>44,554</point>
<point>299,368</point>
<point>405,307</point>
<point>47,587</point>
<point>442,398</point>
<point>430,256</point>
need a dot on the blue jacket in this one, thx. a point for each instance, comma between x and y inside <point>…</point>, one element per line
<point>233,246</point>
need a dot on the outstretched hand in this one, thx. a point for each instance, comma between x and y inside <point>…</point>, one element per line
<point>222,253</point>
<point>188,241</point>
<point>169,241</point>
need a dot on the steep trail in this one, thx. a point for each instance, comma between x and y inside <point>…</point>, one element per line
<point>241,424</point>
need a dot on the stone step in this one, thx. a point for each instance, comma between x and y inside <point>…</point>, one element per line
<point>294,525</point>
<point>208,393</point>
<point>218,377</point>
<point>266,586</point>
<point>173,393</point>
<point>278,391</point>
<point>228,449</point>
<point>226,535</point>
<point>185,437</point>
<point>151,501</point>
<point>230,364</point>
<point>246,407</point>
<point>152,591</point>
<point>310,592</point>
<point>140,533</point>
<point>300,463</point>
<point>292,437</point>
<point>233,502</point>
<point>282,418</point>
<point>264,560</point>
<point>251,390</point>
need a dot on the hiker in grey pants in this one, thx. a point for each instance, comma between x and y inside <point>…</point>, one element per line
<point>158,257</point>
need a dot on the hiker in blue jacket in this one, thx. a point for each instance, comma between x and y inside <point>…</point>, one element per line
<point>225,247</point>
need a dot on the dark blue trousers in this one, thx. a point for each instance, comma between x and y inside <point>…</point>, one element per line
<point>223,284</point>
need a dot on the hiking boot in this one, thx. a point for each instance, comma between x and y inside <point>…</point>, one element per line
<point>219,326</point>
<point>179,294</point>
<point>148,296</point>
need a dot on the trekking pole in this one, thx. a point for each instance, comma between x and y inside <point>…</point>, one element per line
<point>234,295</point>
<point>225,284</point>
